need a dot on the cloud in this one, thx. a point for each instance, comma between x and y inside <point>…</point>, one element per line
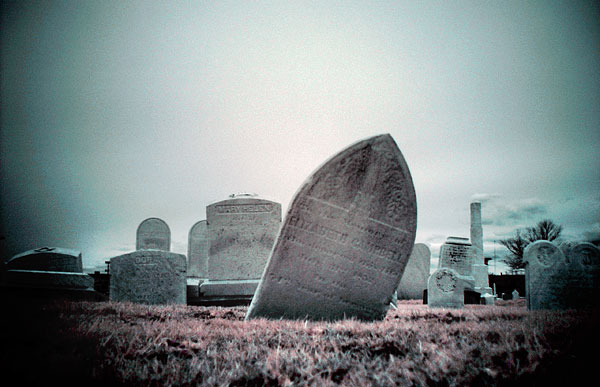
<point>500,211</point>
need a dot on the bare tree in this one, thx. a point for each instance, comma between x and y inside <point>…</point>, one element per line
<point>543,230</point>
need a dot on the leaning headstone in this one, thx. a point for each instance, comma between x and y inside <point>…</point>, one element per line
<point>546,276</point>
<point>198,251</point>
<point>241,234</point>
<point>153,233</point>
<point>148,277</point>
<point>47,259</point>
<point>416,273</point>
<point>345,240</point>
<point>445,289</point>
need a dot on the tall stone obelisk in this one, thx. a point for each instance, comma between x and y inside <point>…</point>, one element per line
<point>479,268</point>
<point>477,233</point>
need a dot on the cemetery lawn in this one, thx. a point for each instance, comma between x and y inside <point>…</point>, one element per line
<point>107,343</point>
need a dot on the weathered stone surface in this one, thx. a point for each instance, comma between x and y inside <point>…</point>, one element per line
<point>445,289</point>
<point>583,260</point>
<point>416,273</point>
<point>149,277</point>
<point>546,276</point>
<point>47,259</point>
<point>48,279</point>
<point>198,250</point>
<point>346,238</point>
<point>457,254</point>
<point>153,233</point>
<point>241,234</point>
<point>477,233</point>
<point>228,288</point>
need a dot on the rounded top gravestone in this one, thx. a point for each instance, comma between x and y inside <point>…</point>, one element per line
<point>241,231</point>
<point>153,233</point>
<point>345,241</point>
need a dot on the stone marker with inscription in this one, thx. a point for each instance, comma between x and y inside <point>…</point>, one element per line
<point>346,239</point>
<point>153,233</point>
<point>416,273</point>
<point>445,289</point>
<point>241,234</point>
<point>148,277</point>
<point>457,254</point>
<point>198,251</point>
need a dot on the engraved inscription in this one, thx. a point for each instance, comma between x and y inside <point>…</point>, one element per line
<point>544,255</point>
<point>243,208</point>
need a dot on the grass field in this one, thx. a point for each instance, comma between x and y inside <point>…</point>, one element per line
<point>84,343</point>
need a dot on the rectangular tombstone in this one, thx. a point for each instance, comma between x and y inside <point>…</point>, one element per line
<point>416,273</point>
<point>345,241</point>
<point>445,289</point>
<point>457,254</point>
<point>198,251</point>
<point>148,277</point>
<point>153,233</point>
<point>47,259</point>
<point>241,234</point>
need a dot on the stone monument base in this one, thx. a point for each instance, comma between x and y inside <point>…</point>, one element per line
<point>221,293</point>
<point>47,285</point>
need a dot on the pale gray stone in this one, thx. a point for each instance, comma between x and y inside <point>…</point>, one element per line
<point>47,259</point>
<point>228,288</point>
<point>416,273</point>
<point>515,295</point>
<point>345,240</point>
<point>153,233</point>
<point>148,277</point>
<point>445,289</point>
<point>241,234</point>
<point>198,250</point>
<point>477,233</point>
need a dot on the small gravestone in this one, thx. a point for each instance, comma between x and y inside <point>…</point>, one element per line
<point>345,240</point>
<point>445,289</point>
<point>515,295</point>
<point>241,233</point>
<point>148,277</point>
<point>47,259</point>
<point>457,254</point>
<point>546,276</point>
<point>153,233</point>
<point>416,273</point>
<point>198,251</point>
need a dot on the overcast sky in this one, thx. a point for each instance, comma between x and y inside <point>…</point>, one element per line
<point>113,112</point>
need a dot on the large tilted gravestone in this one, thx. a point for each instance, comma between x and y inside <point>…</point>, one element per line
<point>198,250</point>
<point>562,278</point>
<point>345,240</point>
<point>445,289</point>
<point>241,233</point>
<point>148,277</point>
<point>153,233</point>
<point>416,273</point>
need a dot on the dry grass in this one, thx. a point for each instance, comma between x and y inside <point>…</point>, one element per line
<point>122,343</point>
